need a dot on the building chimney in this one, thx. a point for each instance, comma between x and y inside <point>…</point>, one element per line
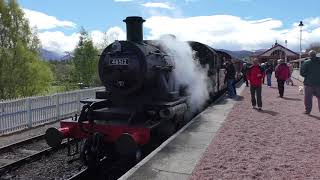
<point>134,28</point>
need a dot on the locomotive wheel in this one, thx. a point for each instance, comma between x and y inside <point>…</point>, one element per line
<point>92,151</point>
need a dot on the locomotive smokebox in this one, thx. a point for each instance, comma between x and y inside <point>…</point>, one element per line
<point>134,28</point>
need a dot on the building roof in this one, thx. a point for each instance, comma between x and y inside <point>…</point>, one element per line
<point>277,47</point>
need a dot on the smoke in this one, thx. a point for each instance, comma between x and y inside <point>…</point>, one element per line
<point>188,71</point>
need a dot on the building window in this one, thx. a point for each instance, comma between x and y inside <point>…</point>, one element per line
<point>278,54</point>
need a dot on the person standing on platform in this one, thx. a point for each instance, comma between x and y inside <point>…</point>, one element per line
<point>282,74</point>
<point>263,67</point>
<point>230,78</point>
<point>244,71</point>
<point>255,75</point>
<point>269,71</point>
<point>310,70</point>
<point>289,80</point>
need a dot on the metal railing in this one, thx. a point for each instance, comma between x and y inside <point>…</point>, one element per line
<point>29,112</point>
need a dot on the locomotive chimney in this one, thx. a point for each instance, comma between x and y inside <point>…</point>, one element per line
<point>134,28</point>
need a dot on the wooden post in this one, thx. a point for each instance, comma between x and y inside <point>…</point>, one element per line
<point>29,112</point>
<point>57,107</point>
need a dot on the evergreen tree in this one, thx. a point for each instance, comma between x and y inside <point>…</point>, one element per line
<point>21,71</point>
<point>86,60</point>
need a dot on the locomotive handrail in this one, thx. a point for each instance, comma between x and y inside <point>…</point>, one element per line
<point>159,54</point>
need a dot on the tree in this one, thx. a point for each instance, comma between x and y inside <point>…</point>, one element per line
<point>314,46</point>
<point>86,60</point>
<point>63,77</point>
<point>21,71</point>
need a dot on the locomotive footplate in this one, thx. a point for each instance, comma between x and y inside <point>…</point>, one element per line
<point>164,104</point>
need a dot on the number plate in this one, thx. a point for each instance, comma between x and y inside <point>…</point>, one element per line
<point>119,61</point>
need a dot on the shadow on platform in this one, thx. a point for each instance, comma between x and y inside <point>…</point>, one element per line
<point>292,99</point>
<point>236,98</point>
<point>272,113</point>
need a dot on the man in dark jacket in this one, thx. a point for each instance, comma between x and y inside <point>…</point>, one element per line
<point>310,70</point>
<point>230,78</point>
<point>269,71</point>
<point>282,74</point>
<point>244,71</point>
<point>255,75</point>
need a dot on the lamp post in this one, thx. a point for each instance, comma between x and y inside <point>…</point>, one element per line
<point>300,25</point>
<point>285,54</point>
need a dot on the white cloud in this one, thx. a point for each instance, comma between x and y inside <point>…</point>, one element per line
<point>232,32</point>
<point>44,21</point>
<point>218,31</point>
<point>58,42</point>
<point>100,39</point>
<point>158,5</point>
<point>116,33</point>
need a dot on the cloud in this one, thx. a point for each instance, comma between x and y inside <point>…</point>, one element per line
<point>222,31</point>
<point>43,21</point>
<point>232,32</point>
<point>58,42</point>
<point>157,5</point>
<point>101,39</point>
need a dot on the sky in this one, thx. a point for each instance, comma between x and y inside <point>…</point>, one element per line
<point>226,24</point>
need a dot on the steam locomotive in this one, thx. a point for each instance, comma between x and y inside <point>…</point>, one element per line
<point>141,100</point>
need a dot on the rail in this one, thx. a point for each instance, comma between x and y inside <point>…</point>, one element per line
<point>83,174</point>
<point>20,114</point>
<point>24,160</point>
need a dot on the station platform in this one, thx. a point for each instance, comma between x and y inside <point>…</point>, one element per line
<point>230,140</point>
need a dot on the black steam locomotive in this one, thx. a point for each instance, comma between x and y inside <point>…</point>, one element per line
<point>141,100</point>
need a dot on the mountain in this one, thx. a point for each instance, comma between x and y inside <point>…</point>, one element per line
<point>54,56</point>
<point>49,55</point>
<point>66,57</point>
<point>238,54</point>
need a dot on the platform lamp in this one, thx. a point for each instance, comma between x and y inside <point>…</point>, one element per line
<point>285,55</point>
<point>300,25</point>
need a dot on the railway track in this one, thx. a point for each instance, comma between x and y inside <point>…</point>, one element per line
<point>17,154</point>
<point>80,175</point>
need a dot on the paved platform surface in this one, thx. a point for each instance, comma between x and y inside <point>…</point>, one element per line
<point>279,142</point>
<point>177,157</point>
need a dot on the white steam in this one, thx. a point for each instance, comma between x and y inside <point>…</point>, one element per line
<point>188,71</point>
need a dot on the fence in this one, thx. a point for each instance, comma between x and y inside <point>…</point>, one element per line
<point>29,112</point>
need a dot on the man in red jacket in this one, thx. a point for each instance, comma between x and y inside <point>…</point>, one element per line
<point>282,73</point>
<point>255,75</point>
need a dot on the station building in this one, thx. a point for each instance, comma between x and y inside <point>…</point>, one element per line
<point>276,52</point>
